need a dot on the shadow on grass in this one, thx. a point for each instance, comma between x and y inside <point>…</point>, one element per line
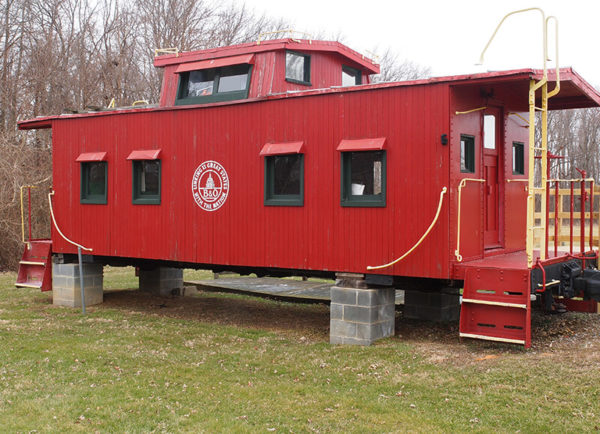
<point>240,311</point>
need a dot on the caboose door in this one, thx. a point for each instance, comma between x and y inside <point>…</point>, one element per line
<point>492,143</point>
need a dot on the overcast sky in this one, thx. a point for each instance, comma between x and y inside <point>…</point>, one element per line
<point>448,36</point>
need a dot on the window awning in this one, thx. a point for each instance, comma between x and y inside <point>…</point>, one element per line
<point>282,148</point>
<point>150,154</point>
<point>215,63</point>
<point>91,156</point>
<point>376,144</point>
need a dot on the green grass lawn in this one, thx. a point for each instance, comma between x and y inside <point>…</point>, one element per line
<point>127,368</point>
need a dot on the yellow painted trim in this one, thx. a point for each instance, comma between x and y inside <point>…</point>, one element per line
<point>461,184</point>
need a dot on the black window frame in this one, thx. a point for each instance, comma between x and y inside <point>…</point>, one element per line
<point>518,157</point>
<point>216,96</point>
<point>272,199</point>
<point>469,158</point>
<point>85,196</point>
<point>306,81</point>
<point>137,196</point>
<point>347,199</point>
<point>356,73</point>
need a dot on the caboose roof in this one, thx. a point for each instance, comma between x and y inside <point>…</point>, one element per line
<point>575,92</point>
<point>304,45</point>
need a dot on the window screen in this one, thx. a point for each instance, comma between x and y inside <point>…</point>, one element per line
<point>94,182</point>
<point>146,182</point>
<point>213,85</point>
<point>297,67</point>
<point>363,178</point>
<point>350,76</point>
<point>518,158</point>
<point>467,154</point>
<point>284,180</point>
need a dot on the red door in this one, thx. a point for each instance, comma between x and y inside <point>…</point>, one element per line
<point>492,143</point>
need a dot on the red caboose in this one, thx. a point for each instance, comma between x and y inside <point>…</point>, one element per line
<point>281,158</point>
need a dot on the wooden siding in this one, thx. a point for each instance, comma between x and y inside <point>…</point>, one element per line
<point>321,235</point>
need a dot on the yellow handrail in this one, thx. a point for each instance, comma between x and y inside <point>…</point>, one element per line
<point>519,116</point>
<point>139,102</point>
<point>545,95</point>
<point>27,243</point>
<point>470,111</point>
<point>58,229</point>
<point>435,219</point>
<point>461,184</point>
<point>557,86</point>
<point>544,25</point>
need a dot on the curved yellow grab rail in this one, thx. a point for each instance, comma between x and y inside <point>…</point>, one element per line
<point>544,29</point>
<point>461,184</point>
<point>435,219</point>
<point>58,229</point>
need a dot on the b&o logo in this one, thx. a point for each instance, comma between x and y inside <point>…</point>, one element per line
<point>210,185</point>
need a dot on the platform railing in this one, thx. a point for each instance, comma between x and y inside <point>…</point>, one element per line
<point>572,219</point>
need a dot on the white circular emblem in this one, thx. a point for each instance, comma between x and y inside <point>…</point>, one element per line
<point>210,186</point>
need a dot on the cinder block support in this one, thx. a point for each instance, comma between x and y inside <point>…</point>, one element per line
<point>360,316</point>
<point>66,289</point>
<point>163,281</point>
<point>432,306</point>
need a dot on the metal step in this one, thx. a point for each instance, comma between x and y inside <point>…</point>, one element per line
<point>32,263</point>
<point>496,305</point>
<point>28,285</point>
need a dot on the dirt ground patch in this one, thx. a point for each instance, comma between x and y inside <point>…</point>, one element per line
<point>568,338</point>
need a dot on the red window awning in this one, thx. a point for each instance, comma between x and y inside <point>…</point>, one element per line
<point>215,63</point>
<point>150,154</point>
<point>91,156</point>
<point>376,144</point>
<point>282,148</point>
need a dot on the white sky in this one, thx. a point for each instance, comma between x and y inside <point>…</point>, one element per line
<point>449,35</point>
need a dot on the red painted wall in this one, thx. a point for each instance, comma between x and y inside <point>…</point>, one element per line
<point>268,75</point>
<point>321,235</point>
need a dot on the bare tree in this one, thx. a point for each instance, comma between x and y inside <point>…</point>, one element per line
<point>395,69</point>
<point>71,55</point>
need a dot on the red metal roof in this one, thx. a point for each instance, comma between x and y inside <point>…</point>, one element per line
<point>91,156</point>
<point>215,63</point>
<point>151,154</point>
<point>575,93</point>
<point>282,148</point>
<point>362,144</point>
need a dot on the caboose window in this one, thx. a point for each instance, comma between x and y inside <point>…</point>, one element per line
<point>94,182</point>
<point>518,158</point>
<point>284,180</point>
<point>297,68</point>
<point>214,85</point>
<point>146,182</point>
<point>467,154</point>
<point>350,76</point>
<point>363,178</point>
